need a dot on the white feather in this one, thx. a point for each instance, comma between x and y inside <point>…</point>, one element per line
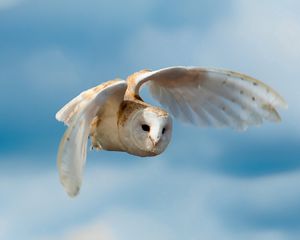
<point>72,149</point>
<point>213,97</point>
<point>66,113</point>
<point>72,153</point>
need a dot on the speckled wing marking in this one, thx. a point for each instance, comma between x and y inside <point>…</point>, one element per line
<point>211,97</point>
<point>78,114</point>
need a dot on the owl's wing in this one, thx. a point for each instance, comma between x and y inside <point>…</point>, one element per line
<point>211,97</point>
<point>78,115</point>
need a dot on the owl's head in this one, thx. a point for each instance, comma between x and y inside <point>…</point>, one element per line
<point>147,131</point>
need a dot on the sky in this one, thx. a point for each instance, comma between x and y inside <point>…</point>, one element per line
<point>209,183</point>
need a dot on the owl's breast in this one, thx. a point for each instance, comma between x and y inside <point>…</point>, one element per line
<point>104,129</point>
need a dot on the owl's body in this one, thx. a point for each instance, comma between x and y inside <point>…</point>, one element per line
<point>116,118</point>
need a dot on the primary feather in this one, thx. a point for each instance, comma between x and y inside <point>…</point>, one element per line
<point>72,149</point>
<point>66,113</point>
<point>213,97</point>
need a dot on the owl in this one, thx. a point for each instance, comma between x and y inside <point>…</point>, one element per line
<point>115,118</point>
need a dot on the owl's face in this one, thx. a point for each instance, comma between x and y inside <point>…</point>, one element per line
<point>150,131</point>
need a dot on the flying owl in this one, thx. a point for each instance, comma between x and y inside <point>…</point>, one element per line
<point>115,117</point>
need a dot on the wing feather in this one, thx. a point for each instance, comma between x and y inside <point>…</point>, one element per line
<point>78,114</point>
<point>212,97</point>
<point>66,113</point>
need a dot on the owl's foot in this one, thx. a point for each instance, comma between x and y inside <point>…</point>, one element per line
<point>95,144</point>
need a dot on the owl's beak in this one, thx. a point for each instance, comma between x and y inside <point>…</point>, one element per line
<point>154,140</point>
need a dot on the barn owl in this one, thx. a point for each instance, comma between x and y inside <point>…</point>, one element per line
<point>115,118</point>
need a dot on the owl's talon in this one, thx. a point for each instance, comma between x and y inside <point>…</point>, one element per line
<point>96,146</point>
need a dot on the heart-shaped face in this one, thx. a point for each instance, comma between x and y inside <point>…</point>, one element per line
<point>147,131</point>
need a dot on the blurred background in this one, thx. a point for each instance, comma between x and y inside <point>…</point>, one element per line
<point>209,184</point>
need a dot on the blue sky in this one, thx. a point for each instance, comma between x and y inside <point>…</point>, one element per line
<point>209,184</point>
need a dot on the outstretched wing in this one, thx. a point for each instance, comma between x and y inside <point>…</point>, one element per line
<point>211,97</point>
<point>78,115</point>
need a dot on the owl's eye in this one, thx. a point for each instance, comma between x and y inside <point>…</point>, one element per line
<point>146,127</point>
<point>163,130</point>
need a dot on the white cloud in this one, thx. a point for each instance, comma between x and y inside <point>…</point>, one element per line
<point>3,228</point>
<point>93,231</point>
<point>149,200</point>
